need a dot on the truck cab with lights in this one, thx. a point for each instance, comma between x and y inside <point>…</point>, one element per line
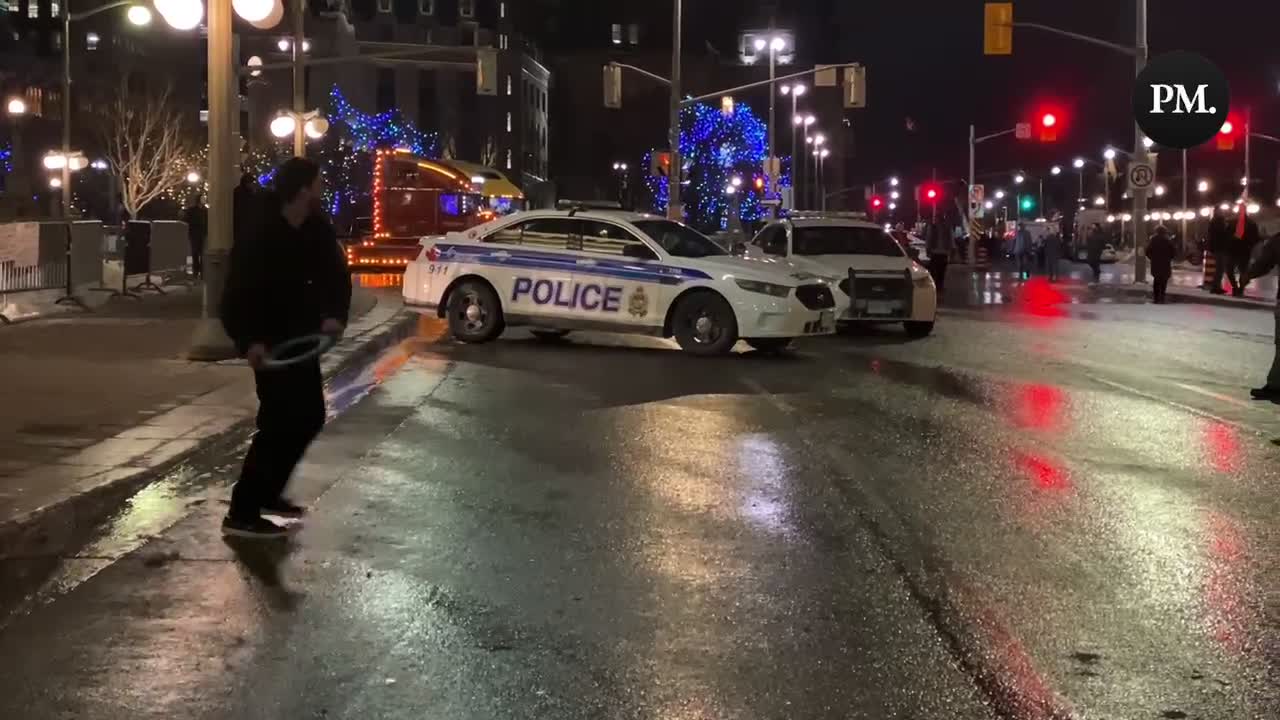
<point>413,197</point>
<point>877,281</point>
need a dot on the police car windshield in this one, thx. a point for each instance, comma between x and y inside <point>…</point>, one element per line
<point>679,240</point>
<point>843,240</point>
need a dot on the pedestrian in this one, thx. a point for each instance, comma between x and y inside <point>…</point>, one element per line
<point>1022,250</point>
<point>1220,244</point>
<point>288,279</point>
<point>244,207</point>
<point>197,218</point>
<point>1094,244</point>
<point>1245,238</point>
<point>1268,258</point>
<point>939,245</point>
<point>1052,253</point>
<point>1160,252</point>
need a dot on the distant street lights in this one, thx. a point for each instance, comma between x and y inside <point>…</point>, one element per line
<point>1202,187</point>
<point>775,44</point>
<point>1055,170</point>
<point>795,90</point>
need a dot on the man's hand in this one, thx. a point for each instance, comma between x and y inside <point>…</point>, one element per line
<point>332,327</point>
<point>256,354</point>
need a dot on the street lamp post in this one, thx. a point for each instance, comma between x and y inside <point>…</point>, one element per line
<point>16,109</point>
<point>674,210</point>
<point>795,91</point>
<point>299,78</point>
<point>774,43</point>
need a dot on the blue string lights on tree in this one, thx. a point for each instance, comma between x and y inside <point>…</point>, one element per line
<point>715,148</point>
<point>388,129</point>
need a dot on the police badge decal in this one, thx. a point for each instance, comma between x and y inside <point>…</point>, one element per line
<point>638,303</point>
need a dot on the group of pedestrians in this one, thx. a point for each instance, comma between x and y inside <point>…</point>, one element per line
<point>1030,253</point>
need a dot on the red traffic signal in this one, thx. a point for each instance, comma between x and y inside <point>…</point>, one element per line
<point>1047,122</point>
<point>1226,137</point>
<point>931,193</point>
<point>877,202</point>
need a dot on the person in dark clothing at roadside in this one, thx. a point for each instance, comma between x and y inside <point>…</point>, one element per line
<point>1052,253</point>
<point>196,216</point>
<point>1267,260</point>
<point>245,210</point>
<point>287,279</point>
<point>1220,242</point>
<point>1094,245</point>
<point>1160,252</point>
<point>939,245</point>
<point>1242,245</point>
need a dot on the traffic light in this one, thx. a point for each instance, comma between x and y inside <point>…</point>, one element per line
<point>612,86</point>
<point>660,164</point>
<point>1027,203</point>
<point>1047,125</point>
<point>876,204</point>
<point>1226,137</point>
<point>997,28</point>
<point>931,193</point>
<point>759,183</point>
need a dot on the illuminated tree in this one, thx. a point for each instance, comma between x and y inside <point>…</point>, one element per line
<point>148,145</point>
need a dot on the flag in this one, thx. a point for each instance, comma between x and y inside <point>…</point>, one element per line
<point>1240,224</point>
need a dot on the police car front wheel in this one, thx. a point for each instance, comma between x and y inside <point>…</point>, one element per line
<point>704,324</point>
<point>475,315</point>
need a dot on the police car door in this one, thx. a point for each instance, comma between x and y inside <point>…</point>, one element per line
<point>536,273</point>
<point>619,285</point>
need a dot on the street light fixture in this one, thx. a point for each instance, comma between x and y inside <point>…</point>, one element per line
<point>16,106</point>
<point>1160,190</point>
<point>989,205</point>
<point>1148,143</point>
<point>894,195</point>
<point>283,125</point>
<point>1202,186</point>
<point>893,182</point>
<point>999,194</point>
<point>139,15</point>
<point>1109,153</point>
<point>1077,163</point>
<point>1018,179</point>
<point>1099,201</point>
<point>1055,170</point>
<point>193,177</point>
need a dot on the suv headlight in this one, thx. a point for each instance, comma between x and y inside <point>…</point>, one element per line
<point>766,288</point>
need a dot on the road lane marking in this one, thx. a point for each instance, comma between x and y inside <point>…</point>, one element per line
<point>1216,396</point>
<point>1174,403</point>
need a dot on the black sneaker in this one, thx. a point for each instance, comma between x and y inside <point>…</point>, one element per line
<point>1266,392</point>
<point>281,507</point>
<point>258,527</point>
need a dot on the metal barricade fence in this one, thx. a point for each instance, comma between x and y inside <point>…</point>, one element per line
<point>47,276</point>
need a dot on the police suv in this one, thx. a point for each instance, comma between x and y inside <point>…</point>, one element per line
<point>585,269</point>
<point>878,283</point>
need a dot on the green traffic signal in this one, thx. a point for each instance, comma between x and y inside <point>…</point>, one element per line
<point>1028,203</point>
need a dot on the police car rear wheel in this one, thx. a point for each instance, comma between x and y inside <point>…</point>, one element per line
<point>475,315</point>
<point>918,328</point>
<point>549,334</point>
<point>770,345</point>
<point>704,324</point>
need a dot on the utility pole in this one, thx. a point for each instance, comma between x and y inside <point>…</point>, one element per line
<point>210,341</point>
<point>1140,154</point>
<point>771,180</point>
<point>1185,180</point>
<point>66,111</point>
<point>299,78</point>
<point>674,209</point>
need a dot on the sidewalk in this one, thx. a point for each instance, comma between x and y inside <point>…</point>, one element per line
<point>101,401</point>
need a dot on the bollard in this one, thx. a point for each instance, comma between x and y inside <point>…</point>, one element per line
<point>1210,269</point>
<point>983,261</point>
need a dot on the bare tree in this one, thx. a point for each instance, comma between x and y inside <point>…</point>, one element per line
<point>148,145</point>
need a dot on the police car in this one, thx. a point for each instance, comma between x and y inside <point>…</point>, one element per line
<point>588,269</point>
<point>878,282</point>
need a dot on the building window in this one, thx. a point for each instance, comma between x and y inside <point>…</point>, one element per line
<point>508,122</point>
<point>617,34</point>
<point>384,6</point>
<point>508,158</point>
<point>33,10</point>
<point>56,38</point>
<point>502,9</point>
<point>502,41</point>
<point>633,34</point>
<point>508,84</point>
<point>426,7</point>
<point>54,10</point>
<point>91,41</point>
<point>467,8</point>
<point>13,6</point>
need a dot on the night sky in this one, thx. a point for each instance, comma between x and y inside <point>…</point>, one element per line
<point>925,62</point>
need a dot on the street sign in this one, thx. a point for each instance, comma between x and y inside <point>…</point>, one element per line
<point>1022,131</point>
<point>977,196</point>
<point>1141,176</point>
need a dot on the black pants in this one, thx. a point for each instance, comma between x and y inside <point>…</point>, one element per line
<point>197,256</point>
<point>1159,285</point>
<point>938,269</point>
<point>1096,266</point>
<point>1224,263</point>
<point>290,414</point>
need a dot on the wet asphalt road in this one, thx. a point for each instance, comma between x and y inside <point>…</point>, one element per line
<point>1048,509</point>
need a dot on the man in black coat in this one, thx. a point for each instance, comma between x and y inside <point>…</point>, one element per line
<point>1220,242</point>
<point>288,278</point>
<point>1160,252</point>
<point>1268,259</point>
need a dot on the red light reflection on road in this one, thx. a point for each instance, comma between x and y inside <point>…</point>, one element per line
<point>1046,474</point>
<point>1227,585</point>
<point>1040,302</point>
<point>1039,406</point>
<point>1220,444</point>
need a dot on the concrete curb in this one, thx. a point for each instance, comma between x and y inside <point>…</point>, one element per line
<point>53,528</point>
<point>1196,297</point>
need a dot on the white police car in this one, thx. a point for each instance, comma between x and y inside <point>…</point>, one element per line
<point>878,283</point>
<point>557,271</point>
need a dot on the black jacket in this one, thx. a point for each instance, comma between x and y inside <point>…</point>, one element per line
<point>1219,235</point>
<point>284,282</point>
<point>1160,252</point>
<point>1267,259</point>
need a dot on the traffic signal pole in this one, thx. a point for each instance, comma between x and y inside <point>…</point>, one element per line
<point>1140,154</point>
<point>675,210</point>
<point>973,151</point>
